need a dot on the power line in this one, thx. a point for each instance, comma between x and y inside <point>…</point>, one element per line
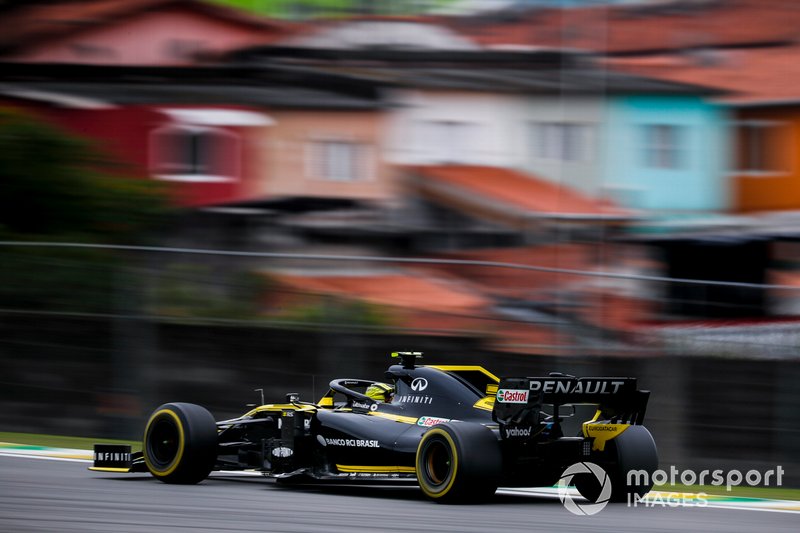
<point>399,260</point>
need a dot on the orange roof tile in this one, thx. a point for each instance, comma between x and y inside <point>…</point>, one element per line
<point>627,28</point>
<point>588,299</point>
<point>751,75</point>
<point>421,292</point>
<point>518,283</point>
<point>506,193</point>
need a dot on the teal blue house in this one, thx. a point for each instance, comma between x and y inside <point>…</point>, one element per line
<point>666,153</point>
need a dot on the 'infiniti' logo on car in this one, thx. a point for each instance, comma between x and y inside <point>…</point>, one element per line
<point>419,384</point>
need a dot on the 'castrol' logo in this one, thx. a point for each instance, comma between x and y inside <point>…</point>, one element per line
<point>428,421</point>
<point>512,396</point>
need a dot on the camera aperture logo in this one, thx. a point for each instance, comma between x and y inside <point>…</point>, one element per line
<point>669,486</point>
<point>567,498</point>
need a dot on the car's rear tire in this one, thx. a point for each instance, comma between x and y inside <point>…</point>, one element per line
<point>180,443</point>
<point>633,450</point>
<point>459,462</point>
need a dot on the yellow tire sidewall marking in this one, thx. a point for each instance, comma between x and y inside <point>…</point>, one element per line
<point>181,440</point>
<point>454,468</point>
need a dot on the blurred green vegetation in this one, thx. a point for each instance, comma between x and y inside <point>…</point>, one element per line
<point>58,441</point>
<point>740,491</point>
<point>56,186</point>
<point>332,8</point>
<point>199,291</point>
<point>333,311</point>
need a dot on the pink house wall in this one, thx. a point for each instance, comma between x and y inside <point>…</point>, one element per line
<point>165,37</point>
<point>287,169</point>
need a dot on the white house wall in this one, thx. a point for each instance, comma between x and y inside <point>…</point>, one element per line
<point>582,171</point>
<point>486,137</point>
<point>495,130</point>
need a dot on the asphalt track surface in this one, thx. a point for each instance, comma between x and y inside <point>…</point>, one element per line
<point>56,496</point>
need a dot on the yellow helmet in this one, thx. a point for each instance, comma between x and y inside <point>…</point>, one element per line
<point>379,391</point>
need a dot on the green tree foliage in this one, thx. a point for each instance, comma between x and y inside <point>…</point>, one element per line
<point>55,186</point>
<point>301,9</point>
<point>53,183</point>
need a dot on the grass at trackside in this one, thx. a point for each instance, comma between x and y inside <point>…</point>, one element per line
<point>57,441</point>
<point>770,493</point>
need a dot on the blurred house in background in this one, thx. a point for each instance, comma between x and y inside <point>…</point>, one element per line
<point>491,137</point>
<point>563,123</point>
<point>748,49</point>
<point>763,101</point>
<point>207,152</point>
<point>553,116</point>
<point>130,32</point>
<point>221,138</point>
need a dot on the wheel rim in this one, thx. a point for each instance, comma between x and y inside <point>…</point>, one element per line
<point>438,462</point>
<point>164,442</point>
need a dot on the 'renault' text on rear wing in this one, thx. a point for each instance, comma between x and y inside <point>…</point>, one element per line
<point>617,398</point>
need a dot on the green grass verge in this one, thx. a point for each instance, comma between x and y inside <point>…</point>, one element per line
<point>57,441</point>
<point>770,493</point>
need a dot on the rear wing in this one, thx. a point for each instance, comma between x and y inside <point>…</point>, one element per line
<point>618,399</point>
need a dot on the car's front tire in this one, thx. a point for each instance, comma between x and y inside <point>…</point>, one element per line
<point>180,443</point>
<point>459,462</point>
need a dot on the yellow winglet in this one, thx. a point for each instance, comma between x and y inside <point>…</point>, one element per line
<point>109,469</point>
<point>375,469</point>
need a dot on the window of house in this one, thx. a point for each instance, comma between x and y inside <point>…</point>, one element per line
<point>191,153</point>
<point>561,141</point>
<point>450,141</point>
<point>663,146</point>
<point>759,147</point>
<point>339,160</point>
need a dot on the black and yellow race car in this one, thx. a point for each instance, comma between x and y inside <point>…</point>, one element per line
<point>460,432</point>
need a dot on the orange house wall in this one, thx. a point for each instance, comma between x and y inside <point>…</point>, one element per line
<point>779,190</point>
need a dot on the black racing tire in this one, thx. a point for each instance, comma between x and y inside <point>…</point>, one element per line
<point>459,462</point>
<point>180,443</point>
<point>633,450</point>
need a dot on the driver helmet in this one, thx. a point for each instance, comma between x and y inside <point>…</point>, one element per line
<point>380,392</point>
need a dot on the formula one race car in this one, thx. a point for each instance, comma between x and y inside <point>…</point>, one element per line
<point>458,431</point>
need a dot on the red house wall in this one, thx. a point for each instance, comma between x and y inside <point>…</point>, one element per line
<point>124,133</point>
